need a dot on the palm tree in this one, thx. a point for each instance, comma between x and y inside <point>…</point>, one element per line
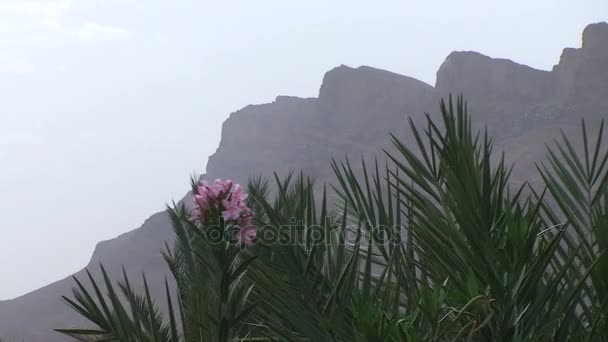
<point>434,246</point>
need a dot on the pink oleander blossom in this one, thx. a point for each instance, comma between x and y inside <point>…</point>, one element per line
<point>228,199</point>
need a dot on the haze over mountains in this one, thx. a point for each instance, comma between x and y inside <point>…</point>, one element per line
<point>522,107</point>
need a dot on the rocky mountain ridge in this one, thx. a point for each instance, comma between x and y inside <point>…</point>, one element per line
<point>522,107</point>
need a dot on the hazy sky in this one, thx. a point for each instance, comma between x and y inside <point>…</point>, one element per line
<point>107,106</point>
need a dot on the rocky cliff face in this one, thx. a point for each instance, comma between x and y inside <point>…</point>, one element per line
<point>353,114</point>
<point>503,92</point>
<point>581,74</point>
<point>348,117</point>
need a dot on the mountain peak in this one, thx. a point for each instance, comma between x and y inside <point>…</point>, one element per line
<point>476,75</point>
<point>595,38</point>
<point>345,81</point>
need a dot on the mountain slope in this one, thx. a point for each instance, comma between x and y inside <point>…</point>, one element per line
<point>353,114</point>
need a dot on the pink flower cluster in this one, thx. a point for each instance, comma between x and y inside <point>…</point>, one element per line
<point>229,199</point>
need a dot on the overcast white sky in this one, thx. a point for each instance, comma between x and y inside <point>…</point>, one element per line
<point>107,106</point>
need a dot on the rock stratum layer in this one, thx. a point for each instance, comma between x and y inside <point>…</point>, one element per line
<point>523,108</point>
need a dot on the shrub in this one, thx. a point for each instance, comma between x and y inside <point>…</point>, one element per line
<point>435,246</point>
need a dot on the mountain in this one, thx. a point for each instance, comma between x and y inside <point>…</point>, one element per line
<point>522,107</point>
